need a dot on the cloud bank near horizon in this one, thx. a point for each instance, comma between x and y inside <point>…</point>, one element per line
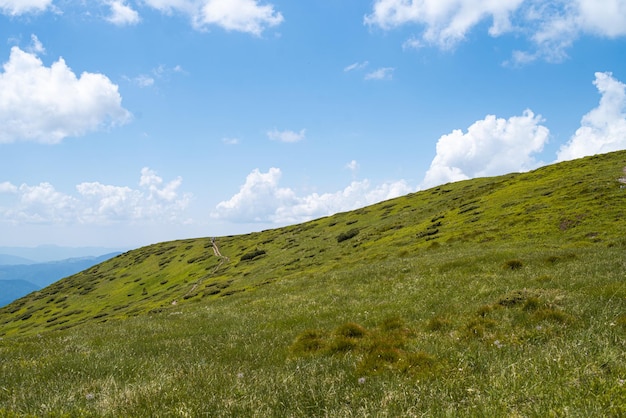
<point>96,203</point>
<point>261,200</point>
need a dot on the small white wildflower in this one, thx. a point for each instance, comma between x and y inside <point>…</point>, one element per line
<point>361,380</point>
<point>239,375</point>
<point>497,343</point>
<point>89,396</point>
<point>621,382</point>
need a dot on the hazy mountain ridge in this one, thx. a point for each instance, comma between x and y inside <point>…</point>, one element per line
<point>12,260</point>
<point>19,280</point>
<point>50,253</point>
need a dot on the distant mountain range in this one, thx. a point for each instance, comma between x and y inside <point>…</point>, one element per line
<point>46,253</point>
<point>7,259</point>
<point>26,276</point>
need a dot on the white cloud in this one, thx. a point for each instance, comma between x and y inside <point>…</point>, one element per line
<point>552,26</point>
<point>48,104</point>
<point>19,7</point>
<point>36,45</point>
<point>247,16</point>
<point>41,204</point>
<point>261,199</point>
<point>385,73</point>
<point>240,15</point>
<point>603,17</point>
<point>286,136</point>
<point>122,14</point>
<point>96,203</point>
<point>258,199</point>
<point>6,187</point>
<point>352,166</point>
<point>490,147</point>
<point>143,80</point>
<point>356,66</point>
<point>603,129</point>
<point>446,21</point>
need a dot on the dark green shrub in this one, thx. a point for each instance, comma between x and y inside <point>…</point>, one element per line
<point>347,235</point>
<point>252,255</point>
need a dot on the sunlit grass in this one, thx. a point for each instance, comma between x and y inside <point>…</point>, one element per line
<point>515,306</point>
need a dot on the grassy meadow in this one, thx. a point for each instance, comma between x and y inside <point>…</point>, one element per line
<point>501,296</point>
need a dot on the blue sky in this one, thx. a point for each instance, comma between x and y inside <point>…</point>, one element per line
<point>128,122</point>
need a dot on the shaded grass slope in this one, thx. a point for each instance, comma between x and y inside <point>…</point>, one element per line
<point>488,297</point>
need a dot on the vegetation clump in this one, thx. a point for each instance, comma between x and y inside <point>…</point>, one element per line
<point>252,255</point>
<point>347,235</point>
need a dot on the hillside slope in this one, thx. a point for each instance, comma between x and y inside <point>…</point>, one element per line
<point>500,296</point>
<point>569,204</point>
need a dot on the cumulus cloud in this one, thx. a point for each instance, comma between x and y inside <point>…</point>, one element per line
<point>446,21</point>
<point>286,136</point>
<point>261,199</point>
<point>490,147</point>
<point>19,7</point>
<point>122,14</point>
<point>7,187</point>
<point>97,203</point>
<point>551,26</point>
<point>47,104</point>
<point>239,15</point>
<point>247,16</point>
<point>603,129</point>
<point>385,73</point>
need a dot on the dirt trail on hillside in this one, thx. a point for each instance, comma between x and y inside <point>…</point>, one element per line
<point>223,259</point>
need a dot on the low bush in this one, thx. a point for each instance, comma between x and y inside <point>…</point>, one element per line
<point>347,235</point>
<point>252,255</point>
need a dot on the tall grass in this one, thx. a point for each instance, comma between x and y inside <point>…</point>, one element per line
<point>493,297</point>
<point>378,353</point>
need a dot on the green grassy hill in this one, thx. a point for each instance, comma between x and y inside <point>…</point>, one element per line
<point>501,296</point>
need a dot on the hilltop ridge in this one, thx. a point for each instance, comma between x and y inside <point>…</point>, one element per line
<point>572,203</point>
